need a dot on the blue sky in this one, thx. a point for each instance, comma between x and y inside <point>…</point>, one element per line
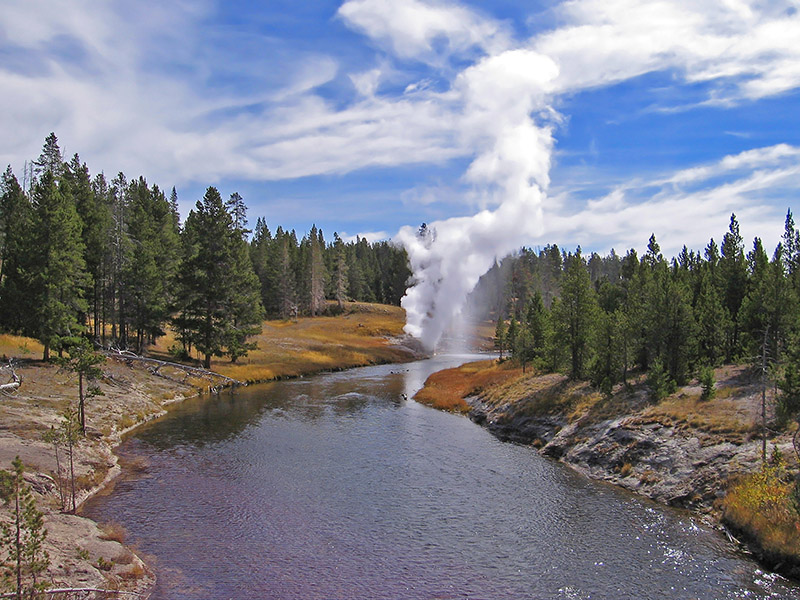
<point>605,120</point>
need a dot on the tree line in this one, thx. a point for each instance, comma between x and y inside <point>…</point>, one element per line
<point>85,256</point>
<point>603,317</point>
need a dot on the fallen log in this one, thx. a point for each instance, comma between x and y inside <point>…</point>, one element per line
<point>68,592</point>
<point>16,380</point>
<point>125,355</point>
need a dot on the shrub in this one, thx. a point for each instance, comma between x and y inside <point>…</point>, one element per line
<point>706,378</point>
<point>659,381</point>
<point>762,506</point>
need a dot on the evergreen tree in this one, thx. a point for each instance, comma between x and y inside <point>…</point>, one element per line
<point>733,275</point>
<point>287,295</point>
<point>791,250</point>
<point>23,537</point>
<point>576,314</point>
<point>50,160</point>
<point>770,306</point>
<point>712,321</point>
<point>58,270</point>
<point>93,211</point>
<point>608,363</point>
<point>523,346</point>
<point>317,273</point>
<point>148,274</point>
<point>537,322</point>
<point>15,258</point>
<point>84,361</point>
<point>219,292</point>
<point>340,271</point>
<point>511,335</point>
<point>120,249</point>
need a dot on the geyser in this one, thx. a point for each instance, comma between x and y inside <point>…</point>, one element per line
<point>503,98</point>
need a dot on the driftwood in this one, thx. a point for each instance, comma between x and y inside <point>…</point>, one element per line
<point>13,385</point>
<point>78,593</point>
<point>157,365</point>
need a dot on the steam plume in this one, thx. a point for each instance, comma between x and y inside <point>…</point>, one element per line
<point>499,94</point>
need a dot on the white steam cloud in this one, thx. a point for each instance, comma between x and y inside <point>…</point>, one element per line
<point>740,47</point>
<point>500,95</point>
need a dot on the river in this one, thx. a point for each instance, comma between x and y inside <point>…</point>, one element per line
<point>336,487</point>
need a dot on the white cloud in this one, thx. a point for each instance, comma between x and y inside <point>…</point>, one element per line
<point>412,28</point>
<point>689,206</point>
<point>606,41</point>
<point>131,89</point>
<point>370,236</point>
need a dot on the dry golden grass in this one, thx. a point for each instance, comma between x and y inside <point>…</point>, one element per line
<point>21,347</point>
<point>759,505</point>
<point>360,336</point>
<point>732,412</point>
<point>447,389</point>
<point>113,532</point>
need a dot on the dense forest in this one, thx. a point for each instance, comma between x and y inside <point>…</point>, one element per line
<point>82,254</point>
<point>604,317</point>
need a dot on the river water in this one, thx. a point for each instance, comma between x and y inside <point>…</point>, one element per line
<point>335,487</point>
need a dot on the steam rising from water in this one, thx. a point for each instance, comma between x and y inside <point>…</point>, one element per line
<point>510,124</point>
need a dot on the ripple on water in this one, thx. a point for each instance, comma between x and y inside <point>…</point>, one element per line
<point>332,487</point>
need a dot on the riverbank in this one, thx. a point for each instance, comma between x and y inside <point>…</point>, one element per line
<point>683,451</point>
<point>84,554</point>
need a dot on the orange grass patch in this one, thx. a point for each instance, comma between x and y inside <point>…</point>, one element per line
<point>16,345</point>
<point>759,505</point>
<point>448,389</point>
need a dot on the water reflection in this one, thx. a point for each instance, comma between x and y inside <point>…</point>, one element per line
<point>334,487</point>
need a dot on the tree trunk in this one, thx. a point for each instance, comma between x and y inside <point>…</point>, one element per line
<point>18,518</point>
<point>72,474</point>
<point>81,402</point>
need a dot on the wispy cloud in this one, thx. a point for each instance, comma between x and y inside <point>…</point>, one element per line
<point>748,48</point>
<point>688,206</point>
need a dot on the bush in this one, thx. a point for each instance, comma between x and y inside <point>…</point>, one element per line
<point>179,353</point>
<point>763,505</point>
<point>659,381</point>
<point>707,381</point>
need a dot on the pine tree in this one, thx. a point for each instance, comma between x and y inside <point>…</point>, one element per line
<point>219,299</point>
<point>770,306</point>
<point>733,275</point>
<point>712,321</point>
<point>93,211</point>
<point>245,311</point>
<point>84,361</point>
<point>58,274</point>
<point>577,314</point>
<point>50,160</point>
<point>608,363</point>
<point>340,271</point>
<point>286,291</point>
<point>23,537</point>
<point>15,261</point>
<point>537,322</point>
<point>317,273</point>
